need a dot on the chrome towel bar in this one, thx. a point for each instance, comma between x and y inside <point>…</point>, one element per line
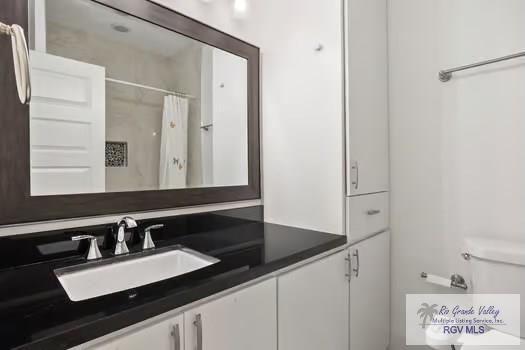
<point>446,75</point>
<point>21,60</point>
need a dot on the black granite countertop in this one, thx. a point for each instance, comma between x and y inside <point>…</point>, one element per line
<point>36,313</point>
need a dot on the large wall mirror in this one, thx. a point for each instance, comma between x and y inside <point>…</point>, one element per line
<point>134,107</point>
<point>120,104</point>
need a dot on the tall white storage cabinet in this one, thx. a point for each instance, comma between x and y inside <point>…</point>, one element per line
<point>366,96</point>
<point>313,306</point>
<point>367,172</point>
<point>370,293</point>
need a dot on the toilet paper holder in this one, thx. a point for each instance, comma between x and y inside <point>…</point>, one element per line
<point>456,280</point>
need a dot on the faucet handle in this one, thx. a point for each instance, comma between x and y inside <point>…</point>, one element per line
<point>93,252</point>
<point>148,242</point>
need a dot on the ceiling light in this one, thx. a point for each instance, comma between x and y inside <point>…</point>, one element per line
<point>240,6</point>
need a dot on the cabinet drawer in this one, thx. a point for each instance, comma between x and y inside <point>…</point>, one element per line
<point>366,214</point>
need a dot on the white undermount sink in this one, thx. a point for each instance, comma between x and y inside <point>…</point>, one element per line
<point>94,279</point>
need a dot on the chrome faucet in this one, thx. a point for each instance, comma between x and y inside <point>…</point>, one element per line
<point>120,246</point>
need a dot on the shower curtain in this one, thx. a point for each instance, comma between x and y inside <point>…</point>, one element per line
<point>174,143</point>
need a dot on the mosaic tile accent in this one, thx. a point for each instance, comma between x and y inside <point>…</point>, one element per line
<point>116,154</point>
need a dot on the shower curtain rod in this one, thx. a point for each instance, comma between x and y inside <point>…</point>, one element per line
<point>127,83</point>
<point>446,75</point>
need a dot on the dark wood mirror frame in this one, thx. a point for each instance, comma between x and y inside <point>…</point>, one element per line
<point>16,203</point>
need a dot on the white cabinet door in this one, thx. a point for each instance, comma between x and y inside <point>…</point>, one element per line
<point>367,98</point>
<point>313,306</point>
<point>370,294</point>
<point>240,321</point>
<point>165,335</point>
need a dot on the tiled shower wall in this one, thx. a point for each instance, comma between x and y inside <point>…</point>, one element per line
<point>134,115</point>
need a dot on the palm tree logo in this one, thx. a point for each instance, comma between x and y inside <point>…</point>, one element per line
<point>426,312</point>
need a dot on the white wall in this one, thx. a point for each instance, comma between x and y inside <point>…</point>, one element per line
<point>230,125</point>
<point>457,148</point>
<point>302,121</point>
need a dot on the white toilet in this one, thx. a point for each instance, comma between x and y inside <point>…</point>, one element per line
<point>498,267</point>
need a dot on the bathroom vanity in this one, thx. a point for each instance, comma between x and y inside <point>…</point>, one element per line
<point>265,272</point>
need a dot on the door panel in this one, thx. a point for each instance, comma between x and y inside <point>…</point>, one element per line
<point>67,126</point>
<point>313,306</point>
<point>370,294</point>
<point>243,320</point>
<point>367,97</point>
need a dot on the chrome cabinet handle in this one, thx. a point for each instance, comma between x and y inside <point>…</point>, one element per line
<point>372,212</point>
<point>356,268</point>
<point>198,324</point>
<point>355,182</point>
<point>20,59</point>
<point>175,333</point>
<point>348,264</point>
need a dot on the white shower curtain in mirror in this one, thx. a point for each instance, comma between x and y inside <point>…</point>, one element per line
<point>174,143</point>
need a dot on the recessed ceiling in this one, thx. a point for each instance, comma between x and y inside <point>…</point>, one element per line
<point>94,18</point>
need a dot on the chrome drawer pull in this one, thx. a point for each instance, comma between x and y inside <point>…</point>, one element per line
<point>348,264</point>
<point>355,167</point>
<point>372,212</point>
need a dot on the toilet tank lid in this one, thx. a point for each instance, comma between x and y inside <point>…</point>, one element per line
<point>511,252</point>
